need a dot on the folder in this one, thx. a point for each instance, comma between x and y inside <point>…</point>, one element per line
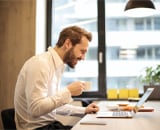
<point>123,93</point>
<point>133,93</point>
<point>112,94</point>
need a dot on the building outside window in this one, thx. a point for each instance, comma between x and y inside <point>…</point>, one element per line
<point>131,45</point>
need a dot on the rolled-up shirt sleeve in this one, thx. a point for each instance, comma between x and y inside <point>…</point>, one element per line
<point>70,110</point>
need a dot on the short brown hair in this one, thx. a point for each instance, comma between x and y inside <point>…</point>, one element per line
<point>74,33</point>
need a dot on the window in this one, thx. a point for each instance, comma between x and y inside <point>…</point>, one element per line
<point>131,44</point>
<point>139,25</point>
<point>156,23</point>
<point>121,46</point>
<point>83,13</point>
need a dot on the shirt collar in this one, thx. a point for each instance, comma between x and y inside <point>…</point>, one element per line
<point>56,58</point>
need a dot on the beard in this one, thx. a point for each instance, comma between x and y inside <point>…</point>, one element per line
<point>70,59</point>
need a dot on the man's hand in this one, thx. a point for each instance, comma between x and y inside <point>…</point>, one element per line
<point>91,108</point>
<point>76,88</point>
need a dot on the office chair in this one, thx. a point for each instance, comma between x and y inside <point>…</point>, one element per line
<point>7,116</point>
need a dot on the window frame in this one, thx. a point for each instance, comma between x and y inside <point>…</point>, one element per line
<point>101,93</point>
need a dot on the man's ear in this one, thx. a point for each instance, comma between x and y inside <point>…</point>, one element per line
<point>67,44</point>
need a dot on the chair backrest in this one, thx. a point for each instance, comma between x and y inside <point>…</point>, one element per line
<point>8,119</point>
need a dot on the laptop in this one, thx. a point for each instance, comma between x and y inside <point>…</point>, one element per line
<point>128,114</point>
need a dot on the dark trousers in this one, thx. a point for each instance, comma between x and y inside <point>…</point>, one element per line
<point>56,125</point>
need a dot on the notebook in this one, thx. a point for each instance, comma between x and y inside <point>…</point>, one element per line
<point>128,114</point>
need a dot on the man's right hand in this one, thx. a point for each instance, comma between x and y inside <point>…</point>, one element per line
<point>76,88</point>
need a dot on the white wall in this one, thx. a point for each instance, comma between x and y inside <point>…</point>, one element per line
<point>40,26</point>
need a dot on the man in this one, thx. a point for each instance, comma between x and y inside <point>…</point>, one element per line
<point>38,97</point>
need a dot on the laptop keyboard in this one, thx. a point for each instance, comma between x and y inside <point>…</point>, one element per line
<point>120,113</point>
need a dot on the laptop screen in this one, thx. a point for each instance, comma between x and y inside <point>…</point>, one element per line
<point>144,98</point>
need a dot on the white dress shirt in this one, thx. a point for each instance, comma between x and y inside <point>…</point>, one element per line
<point>37,94</point>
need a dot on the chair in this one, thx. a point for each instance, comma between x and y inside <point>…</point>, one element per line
<point>8,119</point>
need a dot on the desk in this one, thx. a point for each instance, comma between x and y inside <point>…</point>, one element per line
<point>141,121</point>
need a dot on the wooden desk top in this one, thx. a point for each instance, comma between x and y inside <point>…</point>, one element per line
<point>141,121</point>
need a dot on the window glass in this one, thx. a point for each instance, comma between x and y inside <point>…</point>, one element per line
<point>148,24</point>
<point>131,44</point>
<point>139,24</point>
<point>84,14</point>
<point>156,23</point>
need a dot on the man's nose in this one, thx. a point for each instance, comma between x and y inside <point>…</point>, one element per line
<point>83,57</point>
